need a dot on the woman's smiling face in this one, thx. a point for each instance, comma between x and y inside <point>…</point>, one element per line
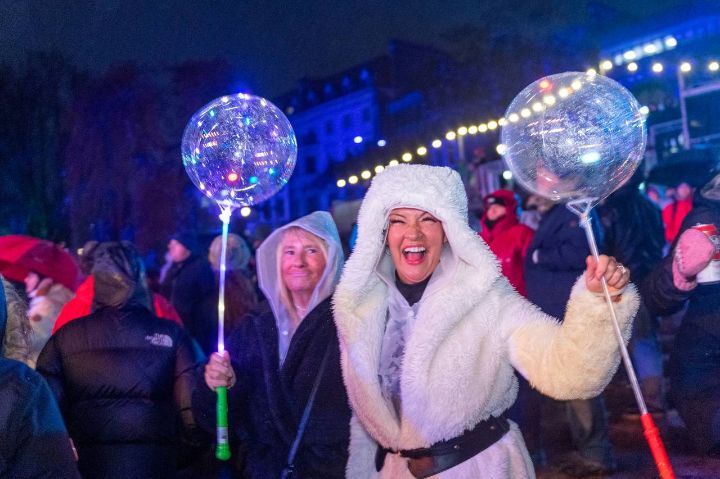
<point>415,239</point>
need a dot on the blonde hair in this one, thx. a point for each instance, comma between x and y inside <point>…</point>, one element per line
<point>16,343</point>
<point>285,296</point>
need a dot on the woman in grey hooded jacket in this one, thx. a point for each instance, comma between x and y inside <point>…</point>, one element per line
<point>273,359</point>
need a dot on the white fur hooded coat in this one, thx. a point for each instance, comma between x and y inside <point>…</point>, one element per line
<point>467,340</point>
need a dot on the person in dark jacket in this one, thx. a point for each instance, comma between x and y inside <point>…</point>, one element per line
<point>276,355</point>
<point>694,368</point>
<point>123,377</point>
<point>33,440</point>
<point>555,258</point>
<point>635,235</point>
<point>189,284</point>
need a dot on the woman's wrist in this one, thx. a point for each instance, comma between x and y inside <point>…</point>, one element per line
<point>615,295</point>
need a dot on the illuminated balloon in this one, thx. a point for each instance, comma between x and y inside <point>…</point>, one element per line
<point>239,150</point>
<point>573,136</point>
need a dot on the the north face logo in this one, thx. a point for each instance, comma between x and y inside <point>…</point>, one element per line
<point>158,339</point>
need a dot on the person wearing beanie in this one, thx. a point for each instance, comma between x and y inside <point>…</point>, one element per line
<point>240,296</point>
<point>190,286</point>
<point>507,238</point>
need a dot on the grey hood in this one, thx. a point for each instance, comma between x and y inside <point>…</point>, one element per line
<point>319,223</point>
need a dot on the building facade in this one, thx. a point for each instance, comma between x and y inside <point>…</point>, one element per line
<point>672,68</point>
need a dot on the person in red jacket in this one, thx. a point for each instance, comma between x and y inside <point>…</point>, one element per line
<point>674,213</point>
<point>507,237</point>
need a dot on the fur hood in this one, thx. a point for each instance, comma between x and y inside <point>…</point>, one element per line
<point>437,190</point>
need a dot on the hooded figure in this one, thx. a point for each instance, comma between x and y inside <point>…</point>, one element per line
<point>276,355</point>
<point>33,439</point>
<point>123,377</point>
<point>434,404</point>
<point>320,224</point>
<point>189,284</point>
<point>507,238</point>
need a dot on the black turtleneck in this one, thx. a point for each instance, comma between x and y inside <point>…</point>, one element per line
<point>411,292</point>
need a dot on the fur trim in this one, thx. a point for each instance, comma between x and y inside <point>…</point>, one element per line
<point>362,464</point>
<point>577,359</point>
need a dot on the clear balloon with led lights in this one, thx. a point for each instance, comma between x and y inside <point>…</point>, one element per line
<point>239,150</point>
<point>573,136</point>
<point>577,137</point>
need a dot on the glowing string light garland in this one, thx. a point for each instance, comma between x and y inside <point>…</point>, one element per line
<point>605,65</point>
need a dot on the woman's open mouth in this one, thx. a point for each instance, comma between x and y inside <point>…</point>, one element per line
<point>414,254</point>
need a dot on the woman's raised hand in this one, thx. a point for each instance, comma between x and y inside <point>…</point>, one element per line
<point>219,372</point>
<point>616,275</point>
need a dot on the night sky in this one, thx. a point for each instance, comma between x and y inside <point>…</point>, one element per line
<point>270,44</point>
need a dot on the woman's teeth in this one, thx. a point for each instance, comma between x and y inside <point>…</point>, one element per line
<point>414,253</point>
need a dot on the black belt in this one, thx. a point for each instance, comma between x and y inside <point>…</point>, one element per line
<point>443,455</point>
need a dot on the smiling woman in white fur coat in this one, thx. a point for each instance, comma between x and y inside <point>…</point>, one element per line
<point>431,335</point>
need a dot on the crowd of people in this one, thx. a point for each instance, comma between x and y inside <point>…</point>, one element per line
<point>427,353</point>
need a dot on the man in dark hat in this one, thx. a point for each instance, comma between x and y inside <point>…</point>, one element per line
<point>189,284</point>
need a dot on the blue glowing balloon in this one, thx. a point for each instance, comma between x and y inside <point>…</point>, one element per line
<point>573,136</point>
<point>239,150</point>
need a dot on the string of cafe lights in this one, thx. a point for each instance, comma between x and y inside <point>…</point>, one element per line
<point>628,59</point>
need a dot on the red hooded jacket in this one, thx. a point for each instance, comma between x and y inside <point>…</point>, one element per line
<point>81,305</point>
<point>508,239</point>
<point>673,216</point>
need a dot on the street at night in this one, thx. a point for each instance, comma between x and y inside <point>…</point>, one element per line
<point>363,240</point>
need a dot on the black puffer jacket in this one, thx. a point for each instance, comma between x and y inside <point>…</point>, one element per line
<point>123,377</point>
<point>267,402</point>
